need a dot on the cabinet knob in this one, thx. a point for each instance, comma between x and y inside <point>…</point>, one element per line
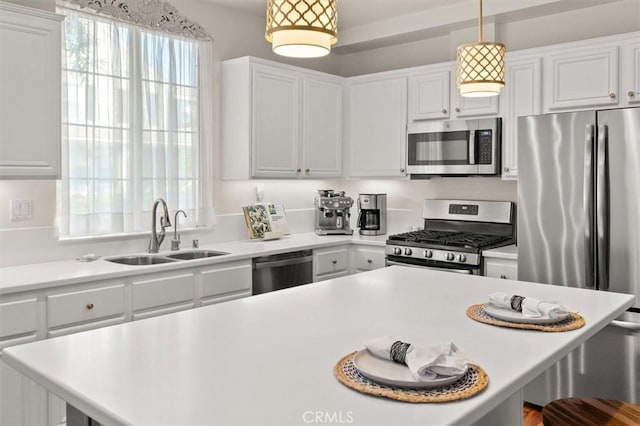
<point>401,170</point>
<point>504,277</point>
<point>89,306</point>
<point>612,95</point>
<point>369,261</point>
<point>307,170</point>
<point>631,94</point>
<point>298,170</point>
<point>444,111</point>
<point>334,261</point>
<point>506,169</point>
<point>457,109</point>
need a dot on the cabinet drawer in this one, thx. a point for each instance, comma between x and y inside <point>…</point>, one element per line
<point>501,268</point>
<point>331,261</point>
<point>368,259</point>
<point>18,317</point>
<point>159,290</point>
<point>224,280</point>
<point>86,305</point>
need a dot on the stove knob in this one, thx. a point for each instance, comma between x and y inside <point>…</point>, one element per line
<point>397,251</point>
<point>462,258</point>
<point>450,256</point>
<point>408,251</point>
<point>428,254</point>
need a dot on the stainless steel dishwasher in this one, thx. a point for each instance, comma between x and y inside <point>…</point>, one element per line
<point>282,270</point>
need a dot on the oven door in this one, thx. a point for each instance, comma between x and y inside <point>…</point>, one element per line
<point>467,271</point>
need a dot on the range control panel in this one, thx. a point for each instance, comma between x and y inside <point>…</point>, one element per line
<point>469,209</point>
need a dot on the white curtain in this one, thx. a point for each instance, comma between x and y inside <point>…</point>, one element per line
<point>135,104</point>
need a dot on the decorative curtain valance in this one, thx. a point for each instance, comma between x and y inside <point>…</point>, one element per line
<point>153,14</point>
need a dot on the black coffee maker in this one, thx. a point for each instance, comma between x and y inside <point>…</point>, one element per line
<point>372,214</point>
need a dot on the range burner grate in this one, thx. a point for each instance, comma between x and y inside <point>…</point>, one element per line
<point>466,239</point>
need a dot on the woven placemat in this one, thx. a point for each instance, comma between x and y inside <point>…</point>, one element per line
<point>470,384</point>
<point>572,322</point>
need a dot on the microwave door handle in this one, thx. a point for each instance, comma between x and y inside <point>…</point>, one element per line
<point>472,147</point>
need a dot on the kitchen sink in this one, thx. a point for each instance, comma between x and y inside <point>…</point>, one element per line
<point>140,260</point>
<point>196,254</point>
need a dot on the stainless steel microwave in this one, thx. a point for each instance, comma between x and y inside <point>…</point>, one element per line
<point>449,148</point>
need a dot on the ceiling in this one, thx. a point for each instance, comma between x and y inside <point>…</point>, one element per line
<point>366,24</point>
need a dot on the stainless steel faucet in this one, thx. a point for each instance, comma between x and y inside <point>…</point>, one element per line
<point>157,239</point>
<point>175,243</point>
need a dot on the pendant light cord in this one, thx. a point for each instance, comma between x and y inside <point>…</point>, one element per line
<point>480,23</point>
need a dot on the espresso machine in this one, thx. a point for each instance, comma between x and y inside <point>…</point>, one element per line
<point>332,213</point>
<point>372,214</point>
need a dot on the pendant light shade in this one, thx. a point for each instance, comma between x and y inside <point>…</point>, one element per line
<point>302,28</point>
<point>480,67</point>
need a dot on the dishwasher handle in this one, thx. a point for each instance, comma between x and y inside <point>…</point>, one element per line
<point>285,262</point>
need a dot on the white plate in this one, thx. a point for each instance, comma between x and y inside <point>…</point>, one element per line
<point>395,374</point>
<point>510,315</point>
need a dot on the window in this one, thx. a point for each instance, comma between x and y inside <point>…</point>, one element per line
<point>132,102</point>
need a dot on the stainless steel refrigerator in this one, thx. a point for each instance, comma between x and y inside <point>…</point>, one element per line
<point>579,226</point>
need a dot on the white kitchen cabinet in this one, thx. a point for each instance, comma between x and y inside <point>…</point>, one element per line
<point>469,107</point>
<point>630,71</point>
<point>366,258</point>
<point>224,282</point>
<point>501,268</point>
<point>429,94</point>
<point>29,93</point>
<point>280,121</point>
<point>377,121</point>
<point>330,262</point>
<point>86,305</point>
<point>521,96</point>
<point>160,294</point>
<point>581,77</point>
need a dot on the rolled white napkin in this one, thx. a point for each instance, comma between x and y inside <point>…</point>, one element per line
<point>531,307</point>
<point>425,363</point>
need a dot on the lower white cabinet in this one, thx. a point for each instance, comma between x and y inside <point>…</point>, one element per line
<point>330,262</point>
<point>85,305</point>
<point>160,294</point>
<point>501,268</point>
<point>366,258</point>
<point>225,282</point>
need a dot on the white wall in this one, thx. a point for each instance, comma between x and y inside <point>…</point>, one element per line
<point>236,34</point>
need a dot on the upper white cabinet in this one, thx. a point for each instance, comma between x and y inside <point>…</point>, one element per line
<point>429,95</point>
<point>521,96</point>
<point>464,107</point>
<point>630,60</point>
<point>584,77</point>
<point>377,121</point>
<point>279,121</point>
<point>30,74</point>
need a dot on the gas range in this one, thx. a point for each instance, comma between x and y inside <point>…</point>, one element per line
<point>455,233</point>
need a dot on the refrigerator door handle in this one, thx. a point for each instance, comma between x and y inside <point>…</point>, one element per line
<point>626,325</point>
<point>588,206</point>
<point>602,209</point>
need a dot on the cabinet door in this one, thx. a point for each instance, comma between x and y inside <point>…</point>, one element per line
<point>581,78</point>
<point>275,128</point>
<point>631,72</point>
<point>30,117</point>
<point>367,258</point>
<point>160,294</point>
<point>521,96</point>
<point>429,95</point>
<point>330,262</point>
<point>322,128</point>
<point>377,127</point>
<point>226,282</point>
<point>501,268</point>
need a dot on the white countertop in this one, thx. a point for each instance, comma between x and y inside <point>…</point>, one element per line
<point>38,276</point>
<point>269,359</point>
<point>506,252</point>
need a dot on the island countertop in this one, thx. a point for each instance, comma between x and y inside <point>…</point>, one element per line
<point>269,359</point>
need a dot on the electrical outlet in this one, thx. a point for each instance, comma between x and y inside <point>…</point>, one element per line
<point>21,210</point>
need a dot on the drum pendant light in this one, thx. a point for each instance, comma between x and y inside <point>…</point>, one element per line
<point>480,66</point>
<point>302,28</point>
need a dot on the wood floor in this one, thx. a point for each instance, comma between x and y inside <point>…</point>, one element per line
<point>532,415</point>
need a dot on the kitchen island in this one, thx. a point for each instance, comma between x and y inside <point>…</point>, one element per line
<point>268,359</point>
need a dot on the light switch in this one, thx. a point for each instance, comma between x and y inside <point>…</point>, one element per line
<point>21,210</point>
